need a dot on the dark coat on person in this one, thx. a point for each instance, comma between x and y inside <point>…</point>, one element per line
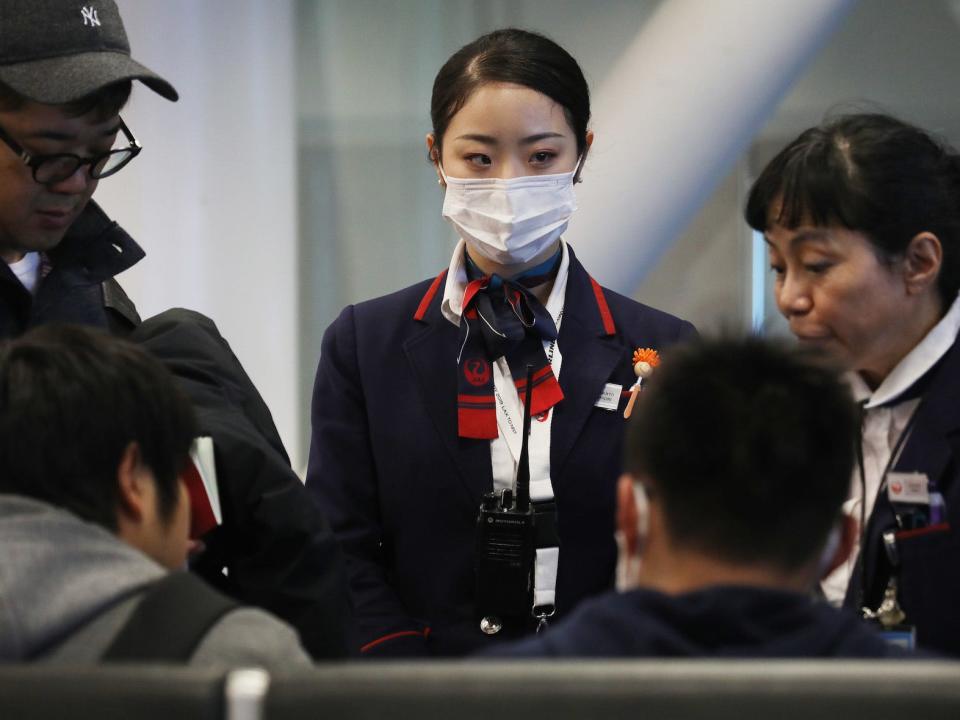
<point>274,549</point>
<point>402,489</point>
<point>79,285</point>
<point>929,573</point>
<point>278,550</point>
<point>717,622</point>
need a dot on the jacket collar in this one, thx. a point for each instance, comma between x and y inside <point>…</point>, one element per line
<point>929,449</point>
<point>585,298</point>
<point>94,249</point>
<point>591,353</point>
<point>455,284</point>
<point>98,245</point>
<point>913,367</point>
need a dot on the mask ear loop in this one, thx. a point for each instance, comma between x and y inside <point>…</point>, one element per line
<point>435,159</point>
<point>466,337</point>
<point>829,550</point>
<point>487,323</point>
<point>580,162</point>
<point>642,500</point>
<point>628,568</point>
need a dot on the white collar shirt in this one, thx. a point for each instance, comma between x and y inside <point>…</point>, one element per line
<point>27,271</point>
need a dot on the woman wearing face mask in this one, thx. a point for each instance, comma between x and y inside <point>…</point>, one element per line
<point>862,220</point>
<point>417,410</point>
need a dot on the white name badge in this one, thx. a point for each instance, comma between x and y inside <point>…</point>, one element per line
<point>908,488</point>
<point>610,397</point>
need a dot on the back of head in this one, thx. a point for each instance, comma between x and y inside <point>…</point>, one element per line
<point>871,173</point>
<point>71,400</point>
<point>518,57</point>
<point>69,53</point>
<point>749,447</point>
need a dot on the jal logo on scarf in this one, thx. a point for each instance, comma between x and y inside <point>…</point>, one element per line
<point>477,372</point>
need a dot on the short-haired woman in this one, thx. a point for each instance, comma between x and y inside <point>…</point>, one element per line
<point>861,216</point>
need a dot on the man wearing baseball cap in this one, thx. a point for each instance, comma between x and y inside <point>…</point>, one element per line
<point>65,75</point>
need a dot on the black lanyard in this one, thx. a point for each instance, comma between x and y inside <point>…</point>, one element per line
<point>891,461</point>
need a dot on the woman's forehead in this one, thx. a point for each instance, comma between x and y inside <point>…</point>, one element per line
<point>832,237</point>
<point>506,108</point>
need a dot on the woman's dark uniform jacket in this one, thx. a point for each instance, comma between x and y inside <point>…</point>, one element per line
<point>930,559</point>
<point>279,550</point>
<point>402,490</point>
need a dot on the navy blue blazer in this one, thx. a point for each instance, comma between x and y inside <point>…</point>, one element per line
<point>929,581</point>
<point>402,489</point>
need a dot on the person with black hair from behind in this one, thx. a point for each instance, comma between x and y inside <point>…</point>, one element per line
<point>738,461</point>
<point>94,515</point>
<point>861,216</point>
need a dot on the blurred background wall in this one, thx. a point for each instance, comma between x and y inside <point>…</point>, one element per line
<point>292,178</point>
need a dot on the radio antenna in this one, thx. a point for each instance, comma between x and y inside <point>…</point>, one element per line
<point>523,465</point>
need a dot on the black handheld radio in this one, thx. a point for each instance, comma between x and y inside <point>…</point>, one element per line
<point>506,543</point>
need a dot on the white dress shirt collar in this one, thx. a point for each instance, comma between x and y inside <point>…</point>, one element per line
<point>914,364</point>
<point>456,284</point>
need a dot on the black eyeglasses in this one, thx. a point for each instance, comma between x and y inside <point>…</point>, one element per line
<point>51,169</point>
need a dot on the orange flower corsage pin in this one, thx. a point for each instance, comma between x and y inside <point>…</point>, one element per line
<point>644,361</point>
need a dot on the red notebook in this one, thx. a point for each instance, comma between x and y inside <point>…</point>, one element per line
<point>201,479</point>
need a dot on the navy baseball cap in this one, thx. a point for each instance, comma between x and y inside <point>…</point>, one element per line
<point>58,51</point>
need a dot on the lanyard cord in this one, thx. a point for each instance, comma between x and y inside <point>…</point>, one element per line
<point>891,462</point>
<point>863,479</point>
<point>553,343</point>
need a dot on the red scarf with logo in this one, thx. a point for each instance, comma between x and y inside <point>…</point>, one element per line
<point>502,318</point>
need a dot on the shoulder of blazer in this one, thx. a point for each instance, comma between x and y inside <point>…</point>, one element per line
<point>941,405</point>
<point>400,302</point>
<point>627,310</point>
<point>935,438</point>
<point>624,313</point>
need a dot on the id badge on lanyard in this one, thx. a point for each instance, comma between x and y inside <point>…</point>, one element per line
<point>899,486</point>
<point>509,417</point>
<point>509,424</point>
<point>919,509</point>
<point>917,506</point>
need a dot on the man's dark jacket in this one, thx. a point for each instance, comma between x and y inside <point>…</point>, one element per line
<point>278,551</point>
<point>718,622</point>
<point>79,285</point>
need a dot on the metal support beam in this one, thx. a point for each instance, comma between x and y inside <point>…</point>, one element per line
<point>677,111</point>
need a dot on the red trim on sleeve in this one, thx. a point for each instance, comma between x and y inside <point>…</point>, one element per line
<point>608,325</point>
<point>918,532</point>
<point>428,298</point>
<point>425,633</point>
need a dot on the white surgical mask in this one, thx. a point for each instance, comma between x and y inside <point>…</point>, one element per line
<point>510,221</point>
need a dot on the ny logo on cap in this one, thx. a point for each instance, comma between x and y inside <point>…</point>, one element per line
<point>90,16</point>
